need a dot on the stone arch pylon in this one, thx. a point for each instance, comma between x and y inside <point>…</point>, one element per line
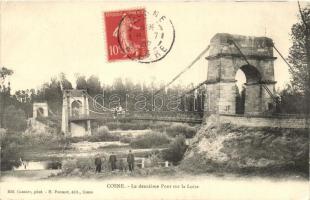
<point>40,109</point>
<point>224,60</point>
<point>75,113</point>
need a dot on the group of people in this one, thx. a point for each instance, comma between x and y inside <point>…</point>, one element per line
<point>113,160</point>
<point>118,111</point>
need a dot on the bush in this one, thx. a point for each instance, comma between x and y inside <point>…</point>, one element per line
<point>82,165</point>
<point>85,164</point>
<point>51,122</point>
<point>176,150</point>
<point>155,171</point>
<point>68,166</point>
<point>43,138</point>
<point>160,126</point>
<point>103,134</point>
<point>184,129</point>
<point>112,125</point>
<point>125,139</point>
<point>76,139</point>
<point>102,130</point>
<point>54,164</point>
<point>154,139</point>
<point>153,160</point>
<point>10,150</point>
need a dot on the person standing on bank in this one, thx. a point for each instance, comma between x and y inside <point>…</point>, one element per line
<point>98,163</point>
<point>112,160</point>
<point>131,161</point>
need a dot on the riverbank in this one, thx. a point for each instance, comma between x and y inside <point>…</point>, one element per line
<point>228,148</point>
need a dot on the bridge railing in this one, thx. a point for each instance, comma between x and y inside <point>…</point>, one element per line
<point>166,114</point>
<point>269,115</point>
<point>177,116</point>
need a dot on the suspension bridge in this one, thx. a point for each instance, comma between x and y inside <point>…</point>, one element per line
<point>227,54</point>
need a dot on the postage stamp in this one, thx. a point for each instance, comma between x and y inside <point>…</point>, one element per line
<point>126,35</point>
<point>138,35</point>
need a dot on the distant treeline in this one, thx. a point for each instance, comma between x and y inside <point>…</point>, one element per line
<point>134,96</point>
<point>122,92</point>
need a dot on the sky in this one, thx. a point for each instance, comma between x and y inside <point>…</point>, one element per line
<point>41,39</point>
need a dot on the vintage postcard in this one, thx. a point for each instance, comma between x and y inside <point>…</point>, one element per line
<point>171,100</point>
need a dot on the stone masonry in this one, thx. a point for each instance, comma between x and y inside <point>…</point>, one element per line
<point>224,60</point>
<point>75,113</point>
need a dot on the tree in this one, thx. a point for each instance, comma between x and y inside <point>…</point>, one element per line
<point>50,92</point>
<point>93,85</point>
<point>10,150</point>
<point>15,119</point>
<point>81,83</point>
<point>23,99</point>
<point>4,91</point>
<point>53,95</point>
<point>65,83</point>
<point>299,55</point>
<point>4,72</point>
<point>291,101</point>
<point>176,150</point>
<point>240,100</point>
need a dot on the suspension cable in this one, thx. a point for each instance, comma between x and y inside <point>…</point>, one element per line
<point>191,90</point>
<point>50,111</point>
<point>91,98</point>
<point>244,57</point>
<point>282,56</point>
<point>184,70</point>
<point>246,60</point>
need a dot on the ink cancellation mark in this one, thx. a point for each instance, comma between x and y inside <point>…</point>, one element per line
<point>161,36</point>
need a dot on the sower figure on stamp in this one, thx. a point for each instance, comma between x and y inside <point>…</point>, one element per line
<point>127,23</point>
<point>131,161</point>
<point>112,160</point>
<point>98,163</point>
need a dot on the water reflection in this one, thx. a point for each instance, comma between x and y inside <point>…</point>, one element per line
<point>38,165</point>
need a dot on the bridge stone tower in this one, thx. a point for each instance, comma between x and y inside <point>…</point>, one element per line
<point>40,109</point>
<point>75,113</point>
<point>225,60</point>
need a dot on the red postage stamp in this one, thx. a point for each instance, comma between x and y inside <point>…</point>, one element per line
<point>126,34</point>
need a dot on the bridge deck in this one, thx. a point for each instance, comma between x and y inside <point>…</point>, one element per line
<point>168,116</point>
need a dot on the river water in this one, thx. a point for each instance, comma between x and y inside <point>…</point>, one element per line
<point>82,149</point>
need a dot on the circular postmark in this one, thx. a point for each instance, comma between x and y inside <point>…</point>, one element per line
<point>149,48</point>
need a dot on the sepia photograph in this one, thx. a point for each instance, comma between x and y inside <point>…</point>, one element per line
<point>167,100</point>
